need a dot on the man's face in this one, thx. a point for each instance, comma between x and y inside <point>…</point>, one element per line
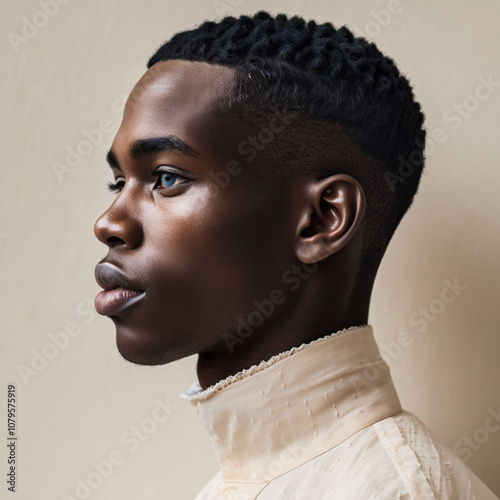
<point>201,253</point>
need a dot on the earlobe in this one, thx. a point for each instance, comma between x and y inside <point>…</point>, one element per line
<point>331,216</point>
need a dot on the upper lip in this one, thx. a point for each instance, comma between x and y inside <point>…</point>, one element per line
<point>108,277</point>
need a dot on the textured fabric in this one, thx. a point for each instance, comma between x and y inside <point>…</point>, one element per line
<point>324,421</point>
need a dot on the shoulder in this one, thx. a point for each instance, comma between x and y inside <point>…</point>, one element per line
<point>395,458</point>
<point>428,468</point>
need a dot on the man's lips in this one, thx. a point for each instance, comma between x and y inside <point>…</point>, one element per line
<point>119,292</point>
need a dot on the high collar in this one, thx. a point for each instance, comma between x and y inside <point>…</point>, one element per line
<point>286,410</point>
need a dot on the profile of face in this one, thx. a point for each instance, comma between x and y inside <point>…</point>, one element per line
<point>195,252</point>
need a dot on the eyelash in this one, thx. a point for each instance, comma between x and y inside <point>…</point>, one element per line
<point>115,186</point>
<point>118,186</point>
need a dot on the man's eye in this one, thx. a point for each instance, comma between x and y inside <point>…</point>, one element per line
<point>164,180</point>
<point>167,179</point>
<point>116,186</point>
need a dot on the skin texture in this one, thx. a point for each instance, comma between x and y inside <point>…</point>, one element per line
<point>203,254</point>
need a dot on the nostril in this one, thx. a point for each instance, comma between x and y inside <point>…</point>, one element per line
<point>114,239</point>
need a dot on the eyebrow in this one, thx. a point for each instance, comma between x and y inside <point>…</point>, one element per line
<point>142,147</point>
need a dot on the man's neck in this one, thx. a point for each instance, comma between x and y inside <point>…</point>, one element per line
<point>239,352</point>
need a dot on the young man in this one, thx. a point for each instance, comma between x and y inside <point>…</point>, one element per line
<point>263,164</point>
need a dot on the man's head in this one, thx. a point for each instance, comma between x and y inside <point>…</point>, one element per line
<point>283,160</point>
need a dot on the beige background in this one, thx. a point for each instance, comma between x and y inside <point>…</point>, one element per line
<point>69,76</point>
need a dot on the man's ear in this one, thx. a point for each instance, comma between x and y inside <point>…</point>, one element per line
<point>331,215</point>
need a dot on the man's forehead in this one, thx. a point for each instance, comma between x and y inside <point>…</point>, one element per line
<point>178,98</point>
<point>179,82</point>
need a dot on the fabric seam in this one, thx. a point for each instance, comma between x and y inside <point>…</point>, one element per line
<point>382,440</point>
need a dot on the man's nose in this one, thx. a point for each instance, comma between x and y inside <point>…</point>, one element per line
<point>119,225</point>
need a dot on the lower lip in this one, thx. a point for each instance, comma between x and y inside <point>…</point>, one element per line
<point>112,302</point>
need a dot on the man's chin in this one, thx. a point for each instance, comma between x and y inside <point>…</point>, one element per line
<point>139,349</point>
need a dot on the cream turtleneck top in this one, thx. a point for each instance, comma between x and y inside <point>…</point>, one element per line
<point>324,421</point>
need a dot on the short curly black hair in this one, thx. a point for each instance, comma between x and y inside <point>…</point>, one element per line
<point>332,80</point>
